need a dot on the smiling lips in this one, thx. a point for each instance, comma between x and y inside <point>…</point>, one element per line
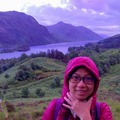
<point>81,92</point>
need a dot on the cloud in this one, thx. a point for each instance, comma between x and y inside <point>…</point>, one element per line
<point>70,14</point>
<point>96,5</point>
<point>50,14</point>
<point>93,14</point>
<point>114,5</point>
<point>80,13</point>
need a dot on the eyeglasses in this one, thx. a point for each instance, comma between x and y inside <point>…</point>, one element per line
<point>87,80</point>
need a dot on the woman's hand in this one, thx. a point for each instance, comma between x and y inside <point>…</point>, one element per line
<point>81,108</point>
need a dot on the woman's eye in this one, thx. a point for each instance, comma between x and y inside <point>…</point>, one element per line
<point>76,77</point>
<point>88,78</point>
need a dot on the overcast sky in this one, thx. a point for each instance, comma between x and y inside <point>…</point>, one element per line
<point>101,16</point>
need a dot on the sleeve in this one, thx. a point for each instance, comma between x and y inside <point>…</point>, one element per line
<point>49,111</point>
<point>105,112</point>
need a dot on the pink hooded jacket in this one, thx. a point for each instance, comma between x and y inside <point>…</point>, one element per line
<point>105,112</point>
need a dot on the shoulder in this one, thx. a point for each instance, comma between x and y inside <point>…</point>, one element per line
<point>52,104</point>
<point>105,111</point>
<point>104,106</point>
<point>49,110</point>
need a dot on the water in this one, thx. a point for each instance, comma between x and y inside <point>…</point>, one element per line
<point>63,47</point>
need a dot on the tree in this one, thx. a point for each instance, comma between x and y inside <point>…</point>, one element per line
<point>39,92</point>
<point>4,68</point>
<point>1,94</point>
<point>34,66</point>
<point>52,84</point>
<point>57,81</point>
<point>7,76</point>
<point>23,56</point>
<point>23,67</point>
<point>25,92</point>
<point>14,94</point>
<point>24,73</point>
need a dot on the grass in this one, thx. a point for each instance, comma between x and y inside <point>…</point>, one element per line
<point>108,90</point>
<point>115,108</point>
<point>32,108</point>
<point>50,64</point>
<point>32,112</point>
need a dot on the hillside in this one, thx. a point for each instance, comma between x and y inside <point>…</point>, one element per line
<point>109,85</point>
<point>50,69</point>
<point>110,42</point>
<point>18,29</point>
<point>53,68</point>
<point>68,32</point>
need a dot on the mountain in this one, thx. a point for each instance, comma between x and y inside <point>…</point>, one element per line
<point>110,42</point>
<point>104,36</point>
<point>68,32</point>
<point>19,31</point>
<point>17,28</point>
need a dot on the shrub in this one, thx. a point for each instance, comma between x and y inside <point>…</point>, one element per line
<point>39,92</point>
<point>25,92</point>
<point>24,73</point>
<point>52,84</point>
<point>7,76</point>
<point>55,83</point>
<point>10,107</point>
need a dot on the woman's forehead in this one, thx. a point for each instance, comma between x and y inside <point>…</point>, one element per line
<point>82,69</point>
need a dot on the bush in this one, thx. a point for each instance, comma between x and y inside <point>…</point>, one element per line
<point>39,92</point>
<point>24,73</point>
<point>7,76</point>
<point>10,107</point>
<point>52,84</point>
<point>55,83</point>
<point>25,92</point>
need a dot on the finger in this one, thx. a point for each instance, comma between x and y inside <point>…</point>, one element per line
<point>70,96</point>
<point>67,106</point>
<point>68,100</point>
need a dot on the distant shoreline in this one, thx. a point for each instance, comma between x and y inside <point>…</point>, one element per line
<point>63,47</point>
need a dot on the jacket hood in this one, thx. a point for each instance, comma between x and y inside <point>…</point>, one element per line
<point>77,62</point>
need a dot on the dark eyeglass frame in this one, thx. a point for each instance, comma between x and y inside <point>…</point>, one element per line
<point>86,79</point>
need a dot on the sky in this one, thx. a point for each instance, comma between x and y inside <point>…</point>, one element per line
<point>101,16</point>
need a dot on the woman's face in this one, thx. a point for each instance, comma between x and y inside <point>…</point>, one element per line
<point>81,89</point>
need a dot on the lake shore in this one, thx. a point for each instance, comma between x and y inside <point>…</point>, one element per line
<point>63,47</point>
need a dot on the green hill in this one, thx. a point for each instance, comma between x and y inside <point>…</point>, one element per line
<point>49,69</point>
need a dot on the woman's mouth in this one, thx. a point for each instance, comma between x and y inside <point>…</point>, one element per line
<point>81,92</point>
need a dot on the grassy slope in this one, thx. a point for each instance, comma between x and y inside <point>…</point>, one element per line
<point>108,90</point>
<point>51,64</point>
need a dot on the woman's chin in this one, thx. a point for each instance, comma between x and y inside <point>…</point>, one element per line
<point>80,98</point>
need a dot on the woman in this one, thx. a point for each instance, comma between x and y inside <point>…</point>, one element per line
<point>78,99</point>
